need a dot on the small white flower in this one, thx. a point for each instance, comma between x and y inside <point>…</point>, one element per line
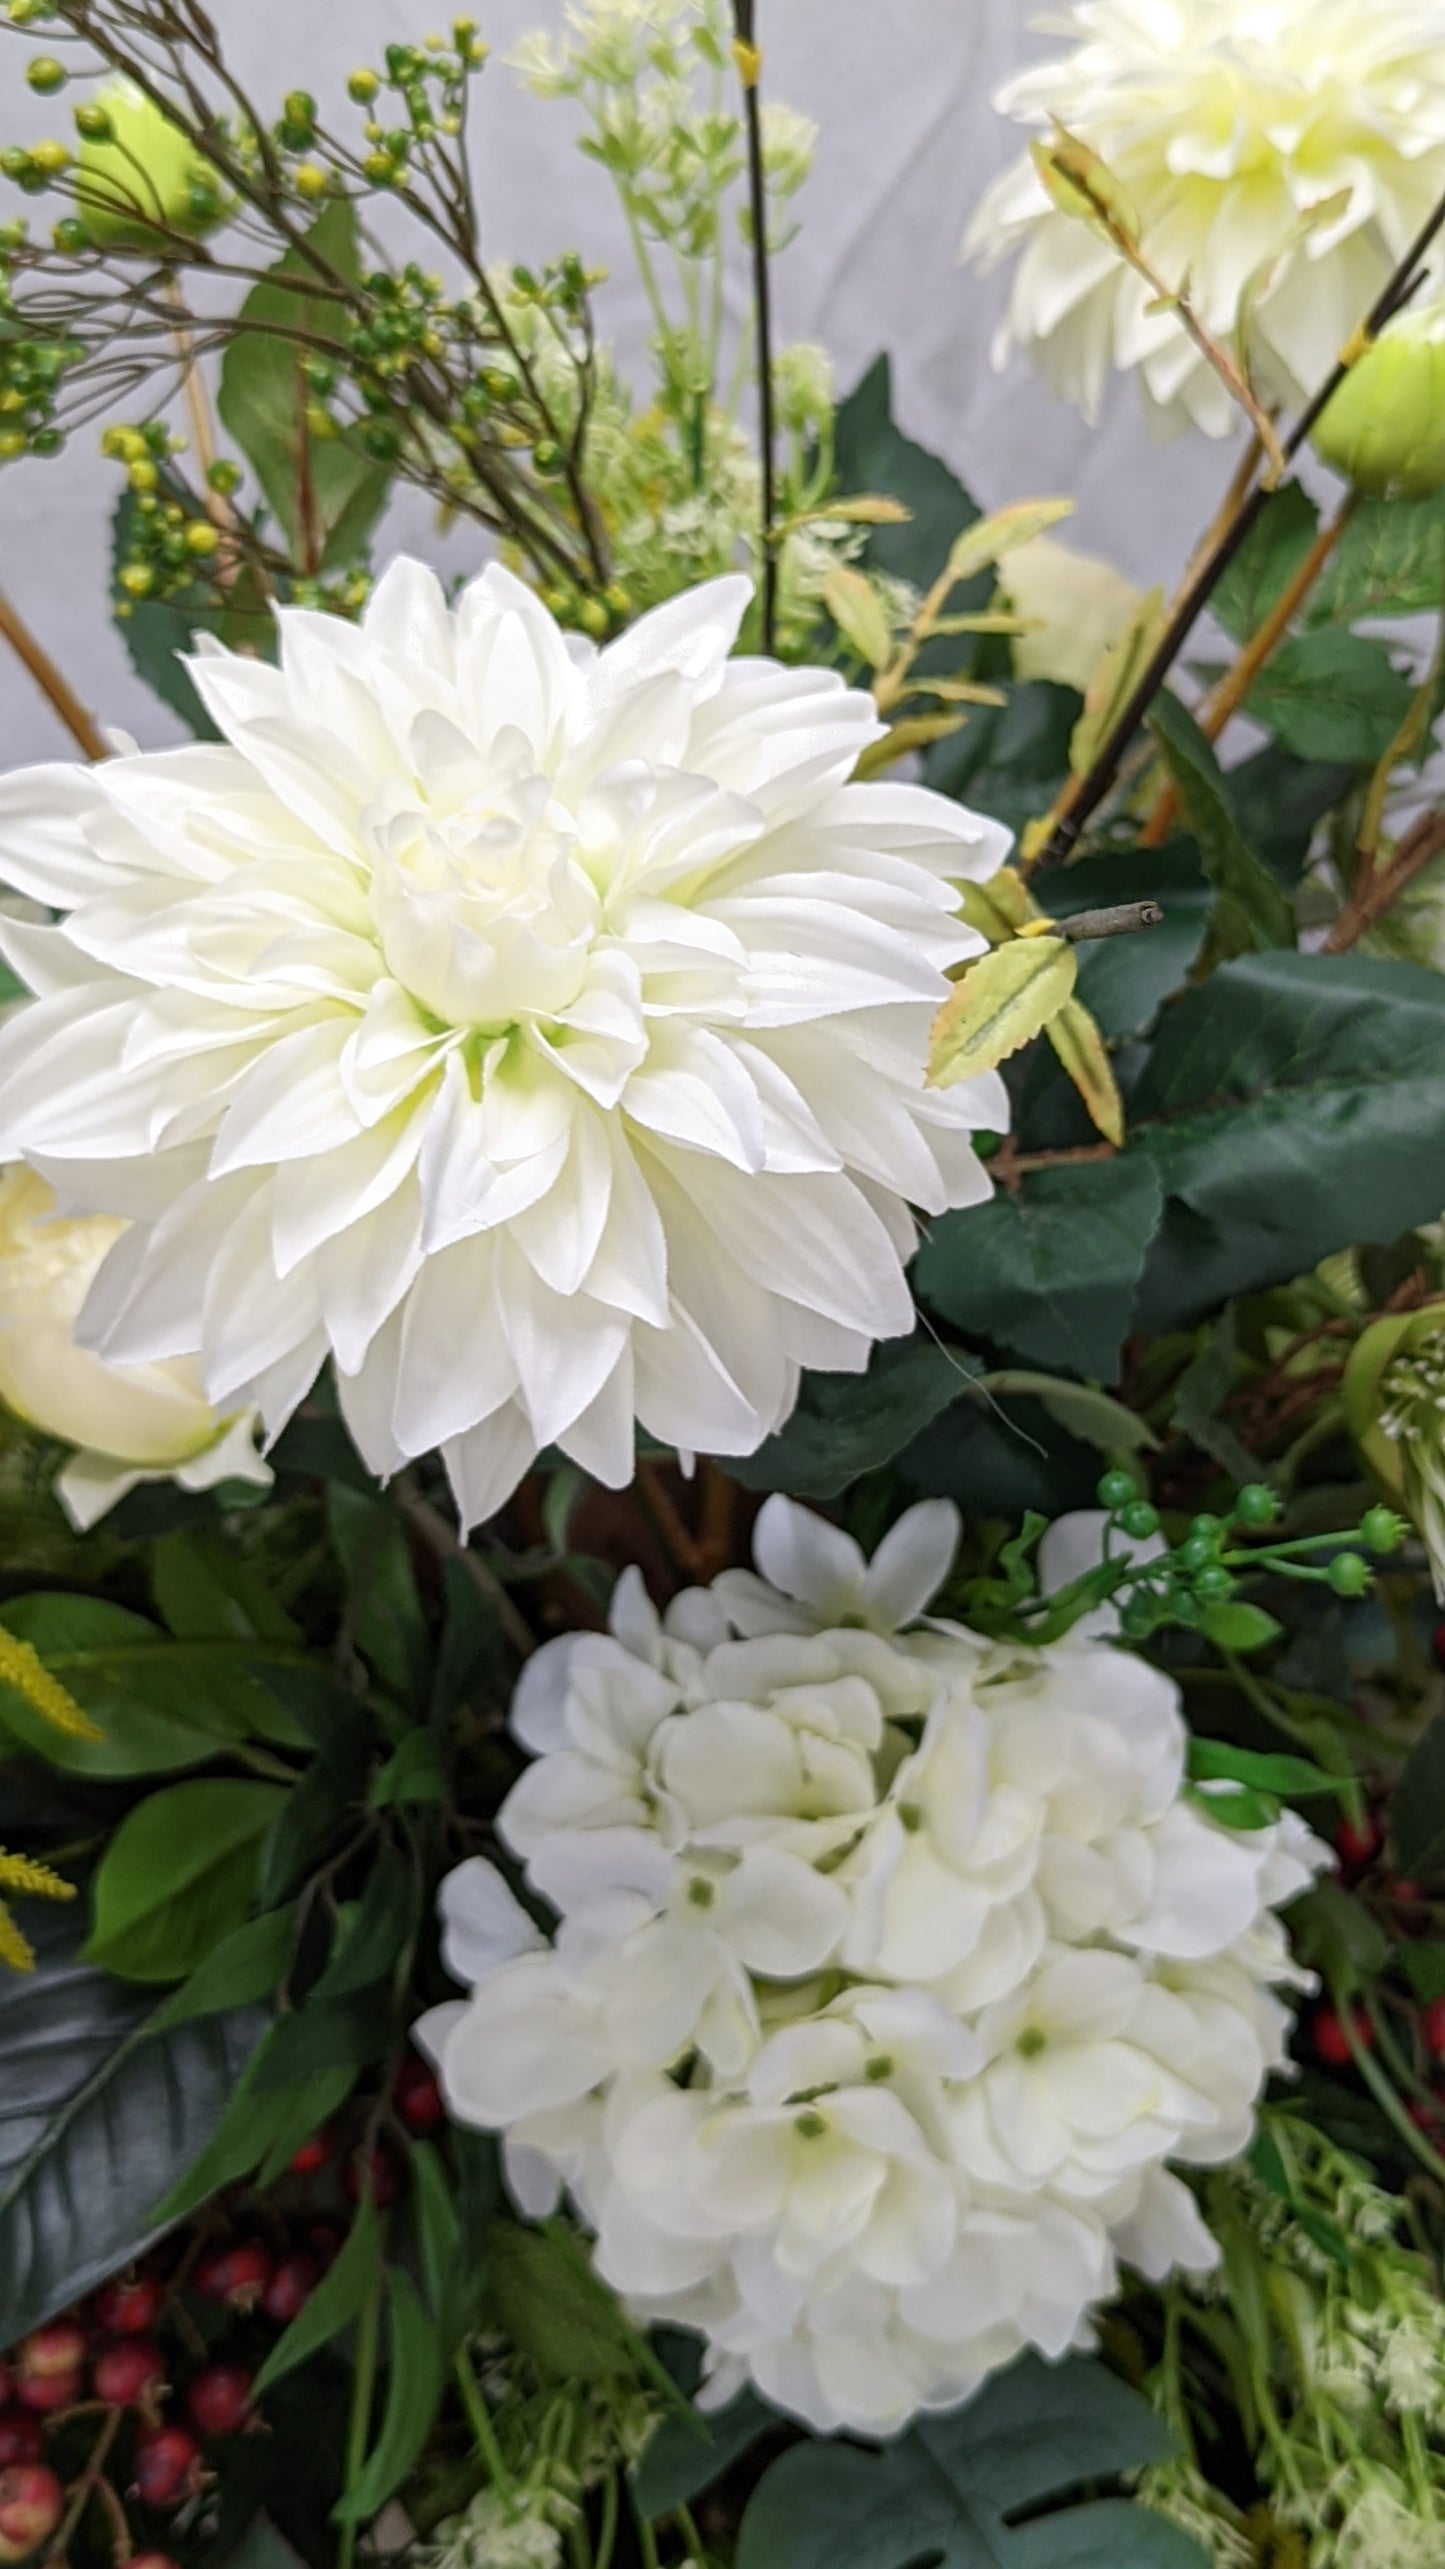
<point>1228,123</point>
<point>812,1576</point>
<point>535,1031</point>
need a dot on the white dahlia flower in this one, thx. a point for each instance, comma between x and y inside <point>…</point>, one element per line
<point>538,1031</point>
<point>1228,122</point>
<point>891,1969</point>
<point>129,1423</point>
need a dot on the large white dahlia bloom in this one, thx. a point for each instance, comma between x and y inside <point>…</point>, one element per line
<point>1227,122</point>
<point>537,1030</point>
<point>891,1969</point>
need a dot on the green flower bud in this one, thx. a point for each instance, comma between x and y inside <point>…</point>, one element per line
<point>309,180</point>
<point>1385,428</point>
<point>363,86</point>
<point>1115,1490</point>
<point>147,174</point>
<point>224,476</point>
<point>93,124</point>
<point>1257,1504</point>
<point>1382,1531</point>
<point>1350,1574</point>
<point>1139,1519</point>
<point>45,75</point>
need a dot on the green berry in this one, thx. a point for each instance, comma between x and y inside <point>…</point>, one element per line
<point>1136,1617</point>
<point>13,442</point>
<point>224,476</point>
<point>1196,1553</point>
<point>1115,1490</point>
<point>1212,1526</point>
<point>1381,1530</point>
<point>1212,1583</point>
<point>1139,1519</point>
<point>1187,1608</point>
<point>363,86</point>
<point>201,538</point>
<point>1350,1574</point>
<point>45,75</point>
<point>46,441</point>
<point>71,236</point>
<point>1257,1504</point>
<point>92,123</point>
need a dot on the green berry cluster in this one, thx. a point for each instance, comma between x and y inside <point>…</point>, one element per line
<point>32,369</point>
<point>170,546</point>
<point>1202,1570</point>
<point>428,82</point>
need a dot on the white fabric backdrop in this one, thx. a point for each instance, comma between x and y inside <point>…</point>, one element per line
<point>909,140</point>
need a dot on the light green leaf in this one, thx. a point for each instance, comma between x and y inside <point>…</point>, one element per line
<point>999,533</point>
<point>857,610</point>
<point>158,1704</point>
<point>998,1005</point>
<point>1232,1624</point>
<point>1218,1760</point>
<point>178,1875</point>
<point>1086,1412</point>
<point>244,1967</point>
<point>416,2374</point>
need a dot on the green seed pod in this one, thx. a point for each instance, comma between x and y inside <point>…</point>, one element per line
<point>1385,428</point>
<point>146,169</point>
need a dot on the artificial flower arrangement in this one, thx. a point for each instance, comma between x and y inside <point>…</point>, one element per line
<point>722,1323</point>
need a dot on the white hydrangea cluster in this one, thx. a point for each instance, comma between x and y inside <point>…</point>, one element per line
<point>892,1965</point>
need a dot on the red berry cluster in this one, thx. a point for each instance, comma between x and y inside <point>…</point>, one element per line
<point>1337,2040</point>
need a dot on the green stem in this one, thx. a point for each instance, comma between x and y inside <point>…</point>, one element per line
<point>479,2418</point>
<point>607,2530</point>
<point>688,2529</point>
<point>358,2432</point>
<point>1383,2093</point>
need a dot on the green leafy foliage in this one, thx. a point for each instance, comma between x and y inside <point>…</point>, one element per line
<point>333,2305</point>
<point>1332,695</point>
<point>543,2292</point>
<point>873,455</point>
<point>844,1426</point>
<point>1250,909</point>
<point>1417,1813</point>
<point>326,495</point>
<point>967,2491</point>
<point>178,1875</point>
<point>415,2377</point>
<point>1390,562</point>
<point>160,1704</point>
<point>1051,1269</point>
<point>156,632</point>
<point>99,2114</point>
<point>688,2453</point>
<point>1272,552</point>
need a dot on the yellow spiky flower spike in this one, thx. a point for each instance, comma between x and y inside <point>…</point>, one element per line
<point>25,1874</point>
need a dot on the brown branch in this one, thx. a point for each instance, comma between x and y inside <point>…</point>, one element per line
<point>52,682</point>
<point>1381,887</point>
<point>446,1542</point>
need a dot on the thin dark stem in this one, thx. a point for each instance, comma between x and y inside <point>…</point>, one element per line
<point>1093,787</point>
<point>749,62</point>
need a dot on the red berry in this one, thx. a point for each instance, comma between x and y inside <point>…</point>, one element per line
<point>129,2306</point>
<point>1357,1843</point>
<point>376,2174</point>
<point>22,2438</point>
<point>315,2153</point>
<point>32,2503</point>
<point>60,2348</point>
<point>290,2288</point>
<point>237,2276</point>
<point>7,2383</point>
<point>1425,2117</point>
<point>1332,2042</point>
<point>1432,2027</point>
<point>129,2374</point>
<point>151,2560</point>
<point>1439,1645</point>
<point>219,2398</point>
<point>167,2466</point>
<point>418,2098</point>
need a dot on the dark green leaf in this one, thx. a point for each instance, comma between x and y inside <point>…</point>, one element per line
<point>387,1621</point>
<point>1250,910</point>
<point>444,2259</point>
<point>258,2123</point>
<point>1200,1394</point>
<point>1331,695</point>
<point>1049,1269</point>
<point>1417,1810</point>
<point>1009,760</point>
<point>686,2454</point>
<point>1124,981</point>
<point>159,1704</point>
<point>333,2305</point>
<point>326,2035</point>
<point>374,1929</point>
<point>952,2491</point>
<point>846,1424</point>
<point>312,1814</point>
<point>204,1592</point>
<point>415,1773</point>
<point>325,494</point>
<point>872,455</point>
<point>245,1967</point>
<point>1391,562</point>
<point>1267,561</point>
<point>1335,1934</point>
<point>262,2546</point>
<point>178,1875</point>
<point>1279,802</point>
<point>98,2114</point>
<point>1300,1097</point>
<point>416,2375</point>
<point>1424,1969</point>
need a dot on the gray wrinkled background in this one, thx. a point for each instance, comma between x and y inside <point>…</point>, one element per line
<point>901,91</point>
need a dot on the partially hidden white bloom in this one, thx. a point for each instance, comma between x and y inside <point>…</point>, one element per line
<point>1075,606</point>
<point>537,1031</point>
<point>892,1970</point>
<point>130,1423</point>
<point>1230,123</point>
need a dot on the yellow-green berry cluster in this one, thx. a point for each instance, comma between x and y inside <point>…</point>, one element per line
<point>428,83</point>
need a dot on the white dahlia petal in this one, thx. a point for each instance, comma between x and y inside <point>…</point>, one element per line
<point>539,1032</point>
